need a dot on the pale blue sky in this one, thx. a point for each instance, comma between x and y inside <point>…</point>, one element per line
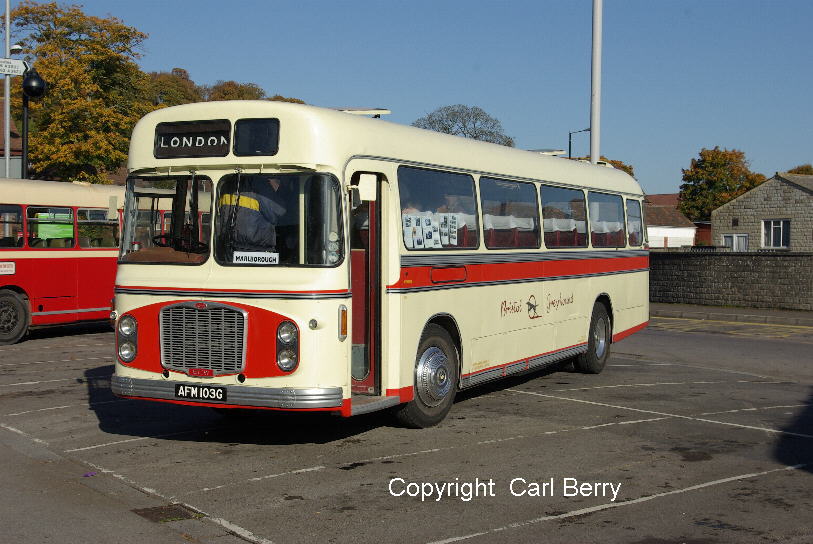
<point>678,75</point>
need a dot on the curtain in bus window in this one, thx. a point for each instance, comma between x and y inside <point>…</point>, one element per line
<point>95,230</point>
<point>634,223</point>
<point>563,217</point>
<point>11,226</point>
<point>510,214</point>
<point>438,209</point>
<point>606,220</point>
<point>50,227</point>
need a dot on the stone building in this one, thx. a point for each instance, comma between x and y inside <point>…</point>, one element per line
<point>775,215</point>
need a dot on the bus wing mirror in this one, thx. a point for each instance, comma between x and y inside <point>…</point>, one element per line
<point>367,187</point>
<point>113,208</point>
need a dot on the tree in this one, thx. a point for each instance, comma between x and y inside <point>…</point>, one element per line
<point>173,88</point>
<point>231,90</point>
<point>81,128</point>
<point>467,121</point>
<point>804,169</point>
<point>717,177</point>
<point>280,98</point>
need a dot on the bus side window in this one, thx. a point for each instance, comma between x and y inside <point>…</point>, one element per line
<point>606,220</point>
<point>11,226</point>
<point>50,227</point>
<point>563,217</point>
<point>510,214</point>
<point>635,225</point>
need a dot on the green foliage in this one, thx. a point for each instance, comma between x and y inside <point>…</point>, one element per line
<point>718,176</point>
<point>80,129</point>
<point>803,169</point>
<point>467,121</point>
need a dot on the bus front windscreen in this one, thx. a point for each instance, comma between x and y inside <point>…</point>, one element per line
<point>166,220</point>
<point>278,220</point>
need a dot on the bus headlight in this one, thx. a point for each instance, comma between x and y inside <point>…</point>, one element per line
<point>127,351</point>
<point>286,360</point>
<point>287,333</point>
<point>127,338</point>
<point>127,325</point>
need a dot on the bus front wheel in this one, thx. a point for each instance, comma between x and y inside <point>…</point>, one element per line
<point>13,317</point>
<point>598,342</point>
<point>436,375</point>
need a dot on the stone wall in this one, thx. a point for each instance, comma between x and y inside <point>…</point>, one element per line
<point>755,280</point>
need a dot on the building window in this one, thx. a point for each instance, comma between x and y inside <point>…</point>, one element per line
<point>737,242</point>
<point>776,233</point>
<point>735,222</point>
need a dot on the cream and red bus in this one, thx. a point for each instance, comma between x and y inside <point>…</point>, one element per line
<point>404,265</point>
<point>58,251</point>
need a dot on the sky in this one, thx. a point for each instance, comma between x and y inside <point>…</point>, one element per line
<point>678,75</point>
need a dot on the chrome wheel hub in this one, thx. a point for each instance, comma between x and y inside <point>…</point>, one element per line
<point>600,338</point>
<point>432,376</point>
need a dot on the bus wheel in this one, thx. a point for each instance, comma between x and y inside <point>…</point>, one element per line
<point>13,317</point>
<point>598,342</point>
<point>435,380</point>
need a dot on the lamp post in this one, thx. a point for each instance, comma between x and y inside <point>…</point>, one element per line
<point>33,87</point>
<point>570,141</point>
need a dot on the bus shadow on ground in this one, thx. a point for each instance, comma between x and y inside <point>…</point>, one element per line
<point>140,418</point>
<point>59,331</point>
<point>795,447</point>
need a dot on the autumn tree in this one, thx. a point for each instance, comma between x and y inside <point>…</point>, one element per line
<point>467,121</point>
<point>81,128</point>
<point>280,98</point>
<point>718,176</point>
<point>173,88</point>
<point>803,169</point>
<point>232,90</point>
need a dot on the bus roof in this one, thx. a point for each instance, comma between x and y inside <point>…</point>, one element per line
<point>319,137</point>
<point>58,193</point>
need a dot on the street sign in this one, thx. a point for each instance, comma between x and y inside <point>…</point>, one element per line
<point>13,67</point>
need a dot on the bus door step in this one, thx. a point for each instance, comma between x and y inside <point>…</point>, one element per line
<point>363,404</point>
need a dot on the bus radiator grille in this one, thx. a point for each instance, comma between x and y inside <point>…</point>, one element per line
<point>212,338</point>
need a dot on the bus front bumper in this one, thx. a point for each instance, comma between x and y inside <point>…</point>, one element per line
<point>261,397</point>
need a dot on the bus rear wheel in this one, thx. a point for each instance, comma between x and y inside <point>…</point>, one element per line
<point>13,317</point>
<point>436,377</point>
<point>598,342</point>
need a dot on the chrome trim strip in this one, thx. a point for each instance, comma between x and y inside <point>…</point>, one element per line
<point>82,311</point>
<point>402,290</point>
<point>428,259</point>
<point>519,367</point>
<point>268,397</point>
<point>233,294</point>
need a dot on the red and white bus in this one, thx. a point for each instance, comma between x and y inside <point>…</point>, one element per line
<point>58,248</point>
<point>392,267</point>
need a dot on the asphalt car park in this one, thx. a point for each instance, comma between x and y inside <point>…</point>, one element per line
<point>698,433</point>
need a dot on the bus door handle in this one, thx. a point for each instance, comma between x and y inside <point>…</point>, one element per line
<point>448,274</point>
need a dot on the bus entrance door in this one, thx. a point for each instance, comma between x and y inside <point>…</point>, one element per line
<point>365,274</point>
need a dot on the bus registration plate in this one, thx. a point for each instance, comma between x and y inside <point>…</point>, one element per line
<point>200,393</point>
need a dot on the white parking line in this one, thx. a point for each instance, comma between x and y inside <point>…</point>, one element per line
<point>191,431</point>
<point>607,506</point>
<point>654,384</point>
<point>105,359</point>
<point>653,362</point>
<point>755,409</point>
<point>765,429</point>
<point>28,436</point>
<point>35,383</point>
<point>84,405</point>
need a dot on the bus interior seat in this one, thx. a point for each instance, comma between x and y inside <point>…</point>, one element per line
<point>36,242</point>
<point>84,241</point>
<point>60,242</point>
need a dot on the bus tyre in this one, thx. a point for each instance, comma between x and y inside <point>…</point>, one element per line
<point>14,317</point>
<point>436,368</point>
<point>598,342</point>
